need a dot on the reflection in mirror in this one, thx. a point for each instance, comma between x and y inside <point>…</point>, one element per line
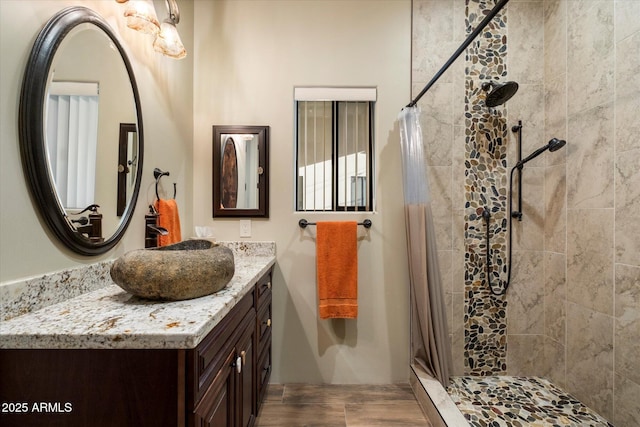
<point>77,89</point>
<point>239,169</point>
<point>88,55</point>
<point>240,178</point>
<point>127,163</point>
<point>72,138</point>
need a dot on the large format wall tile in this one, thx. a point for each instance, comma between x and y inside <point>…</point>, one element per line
<point>458,250</point>
<point>626,18</point>
<point>554,362</point>
<point>590,258</point>
<point>590,151</point>
<point>526,42</point>
<point>555,215</point>
<point>555,296</point>
<point>590,358</point>
<point>627,211</point>
<point>555,114</point>
<point>628,92</point>
<point>440,183</point>
<point>627,327</point>
<point>526,355</point>
<point>433,37</point>
<point>626,398</point>
<point>590,54</point>
<point>555,38</point>
<point>437,140</point>
<point>457,336</point>
<point>525,298</point>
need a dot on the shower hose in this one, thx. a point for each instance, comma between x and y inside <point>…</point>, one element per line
<point>487,218</point>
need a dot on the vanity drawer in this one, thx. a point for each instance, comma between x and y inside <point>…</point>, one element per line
<point>264,370</point>
<point>263,289</point>
<point>206,360</point>
<point>264,326</point>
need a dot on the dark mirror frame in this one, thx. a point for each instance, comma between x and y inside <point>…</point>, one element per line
<point>32,137</point>
<point>262,133</point>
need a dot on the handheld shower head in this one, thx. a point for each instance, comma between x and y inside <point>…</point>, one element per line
<point>499,92</point>
<point>554,145</point>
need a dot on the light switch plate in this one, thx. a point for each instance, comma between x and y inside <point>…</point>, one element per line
<point>245,228</point>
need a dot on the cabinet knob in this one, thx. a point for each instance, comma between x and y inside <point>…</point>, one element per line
<point>268,323</point>
<point>243,355</point>
<point>239,364</point>
<point>269,285</point>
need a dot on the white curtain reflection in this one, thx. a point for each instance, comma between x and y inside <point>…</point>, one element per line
<point>72,137</point>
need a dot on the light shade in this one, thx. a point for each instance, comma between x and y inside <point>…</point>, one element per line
<point>168,41</point>
<point>141,16</point>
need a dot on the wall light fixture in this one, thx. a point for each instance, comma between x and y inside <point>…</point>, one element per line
<point>141,16</point>
<point>168,41</point>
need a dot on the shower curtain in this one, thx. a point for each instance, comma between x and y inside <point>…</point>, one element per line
<point>430,344</point>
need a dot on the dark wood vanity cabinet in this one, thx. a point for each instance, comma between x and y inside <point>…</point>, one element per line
<point>227,370</point>
<point>263,332</point>
<point>220,383</point>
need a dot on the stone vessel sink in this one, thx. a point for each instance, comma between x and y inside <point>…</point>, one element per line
<point>185,270</point>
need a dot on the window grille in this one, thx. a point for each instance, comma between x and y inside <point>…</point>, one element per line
<point>334,141</point>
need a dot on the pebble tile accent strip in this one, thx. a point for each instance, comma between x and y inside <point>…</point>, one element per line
<point>519,401</point>
<point>485,325</point>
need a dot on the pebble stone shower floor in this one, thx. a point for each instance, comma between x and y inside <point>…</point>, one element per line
<point>497,401</point>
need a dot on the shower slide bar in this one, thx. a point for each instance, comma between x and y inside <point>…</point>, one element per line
<point>461,49</point>
<point>303,223</point>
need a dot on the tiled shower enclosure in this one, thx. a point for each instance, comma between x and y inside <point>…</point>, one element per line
<point>572,312</point>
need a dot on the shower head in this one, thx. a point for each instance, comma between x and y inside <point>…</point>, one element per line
<point>499,92</point>
<point>553,145</point>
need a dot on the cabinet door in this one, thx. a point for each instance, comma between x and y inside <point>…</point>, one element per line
<point>217,407</point>
<point>246,383</point>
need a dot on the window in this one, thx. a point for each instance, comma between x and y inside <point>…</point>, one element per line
<point>334,141</point>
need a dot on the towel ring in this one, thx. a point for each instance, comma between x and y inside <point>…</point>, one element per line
<point>157,174</point>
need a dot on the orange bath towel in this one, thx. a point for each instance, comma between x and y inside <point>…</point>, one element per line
<point>168,218</point>
<point>337,265</point>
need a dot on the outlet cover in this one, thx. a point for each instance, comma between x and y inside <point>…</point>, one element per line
<point>245,228</point>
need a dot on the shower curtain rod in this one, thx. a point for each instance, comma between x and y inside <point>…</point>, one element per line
<point>462,47</point>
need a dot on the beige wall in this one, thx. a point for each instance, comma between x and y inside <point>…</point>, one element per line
<point>27,248</point>
<point>249,57</point>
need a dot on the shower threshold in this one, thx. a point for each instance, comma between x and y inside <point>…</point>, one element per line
<point>501,401</point>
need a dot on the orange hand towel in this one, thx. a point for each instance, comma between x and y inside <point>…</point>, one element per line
<point>337,265</point>
<point>168,218</point>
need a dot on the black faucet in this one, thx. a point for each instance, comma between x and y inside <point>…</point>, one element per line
<point>151,229</point>
<point>90,227</point>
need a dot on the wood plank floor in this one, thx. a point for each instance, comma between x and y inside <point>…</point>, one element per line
<point>301,405</point>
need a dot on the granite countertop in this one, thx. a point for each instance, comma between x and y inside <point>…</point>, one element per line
<point>112,318</point>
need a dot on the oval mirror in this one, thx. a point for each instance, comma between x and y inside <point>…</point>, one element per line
<point>81,138</point>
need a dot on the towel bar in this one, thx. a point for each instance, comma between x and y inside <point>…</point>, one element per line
<point>303,223</point>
